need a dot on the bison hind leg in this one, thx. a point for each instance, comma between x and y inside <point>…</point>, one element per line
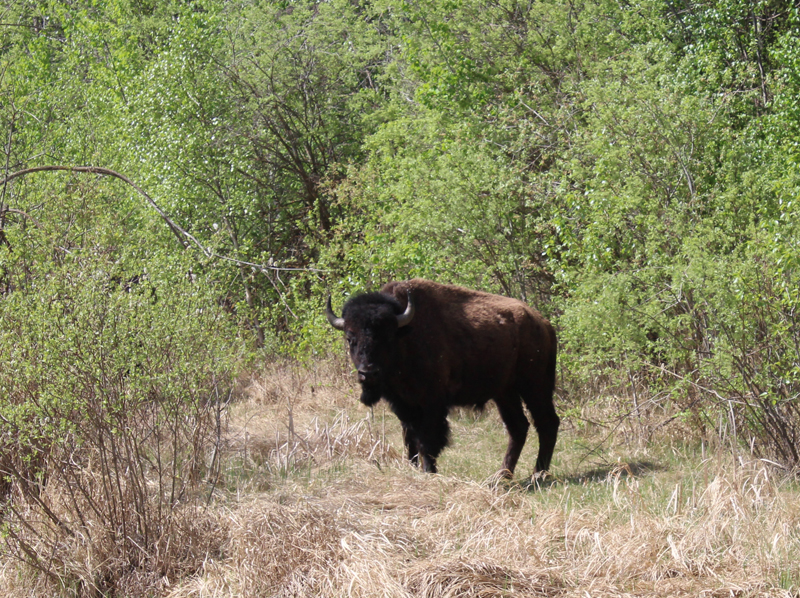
<point>517,425</point>
<point>546,422</point>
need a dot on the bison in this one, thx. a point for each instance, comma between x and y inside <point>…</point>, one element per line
<point>426,347</point>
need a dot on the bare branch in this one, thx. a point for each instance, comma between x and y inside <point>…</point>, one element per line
<point>185,238</point>
<point>177,230</point>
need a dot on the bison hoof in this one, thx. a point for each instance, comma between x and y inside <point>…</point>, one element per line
<point>428,465</point>
<point>499,478</point>
<point>539,477</point>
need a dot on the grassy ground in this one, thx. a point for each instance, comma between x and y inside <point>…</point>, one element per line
<point>317,501</point>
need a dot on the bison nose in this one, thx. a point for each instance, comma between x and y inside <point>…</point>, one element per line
<point>367,374</point>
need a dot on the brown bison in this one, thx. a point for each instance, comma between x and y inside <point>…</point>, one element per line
<point>426,347</point>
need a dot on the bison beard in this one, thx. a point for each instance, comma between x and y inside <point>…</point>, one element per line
<point>370,394</point>
<point>427,347</point>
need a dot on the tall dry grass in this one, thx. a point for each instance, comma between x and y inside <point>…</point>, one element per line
<point>315,500</point>
<point>358,521</point>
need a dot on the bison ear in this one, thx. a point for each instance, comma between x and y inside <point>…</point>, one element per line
<point>405,318</point>
<point>334,320</point>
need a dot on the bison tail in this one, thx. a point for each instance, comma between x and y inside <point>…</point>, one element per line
<point>551,367</point>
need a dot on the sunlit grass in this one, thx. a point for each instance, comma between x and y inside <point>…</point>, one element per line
<point>317,500</point>
<point>671,516</point>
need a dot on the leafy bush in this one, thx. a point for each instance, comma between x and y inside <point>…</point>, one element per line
<point>112,390</point>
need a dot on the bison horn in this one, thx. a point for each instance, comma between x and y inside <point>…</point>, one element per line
<point>335,321</point>
<point>405,318</point>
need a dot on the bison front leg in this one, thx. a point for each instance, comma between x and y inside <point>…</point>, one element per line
<point>411,443</point>
<point>425,434</point>
<point>417,452</point>
<point>434,435</point>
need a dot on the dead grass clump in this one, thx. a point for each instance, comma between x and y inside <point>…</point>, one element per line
<point>400,534</point>
<point>280,445</point>
<point>283,551</point>
<point>668,523</point>
<point>276,385</point>
<point>458,578</point>
<point>738,530</point>
<point>91,559</point>
<point>328,522</point>
<point>283,381</point>
<point>293,418</point>
<point>741,519</point>
<point>324,442</point>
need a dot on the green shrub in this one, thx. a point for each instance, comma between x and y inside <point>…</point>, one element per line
<point>111,390</point>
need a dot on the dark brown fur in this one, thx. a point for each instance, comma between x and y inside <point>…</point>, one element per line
<point>462,348</point>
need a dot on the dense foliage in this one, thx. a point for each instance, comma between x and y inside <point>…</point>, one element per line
<point>631,169</point>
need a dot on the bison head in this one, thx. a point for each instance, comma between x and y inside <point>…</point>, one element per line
<point>371,323</point>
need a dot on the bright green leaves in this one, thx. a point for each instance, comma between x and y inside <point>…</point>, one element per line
<point>431,203</point>
<point>116,361</point>
<point>475,56</point>
<point>730,48</point>
<point>631,169</point>
<point>243,116</point>
<point>640,171</point>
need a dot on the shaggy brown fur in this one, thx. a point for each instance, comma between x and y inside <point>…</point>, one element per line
<point>461,348</point>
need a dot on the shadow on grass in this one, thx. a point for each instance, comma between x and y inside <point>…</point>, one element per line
<point>633,469</point>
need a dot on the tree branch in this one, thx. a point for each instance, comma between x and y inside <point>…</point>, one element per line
<point>177,230</point>
<point>185,238</point>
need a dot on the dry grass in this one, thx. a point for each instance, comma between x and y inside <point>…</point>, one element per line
<point>316,501</point>
<point>294,421</point>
